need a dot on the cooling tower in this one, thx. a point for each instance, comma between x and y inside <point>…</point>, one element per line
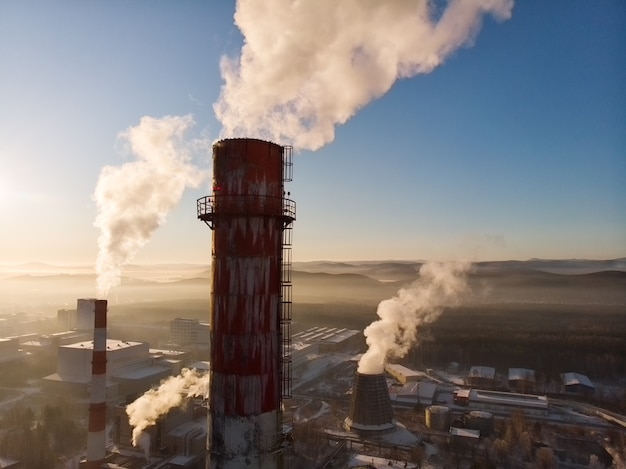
<point>96,438</point>
<point>370,409</point>
<point>250,302</point>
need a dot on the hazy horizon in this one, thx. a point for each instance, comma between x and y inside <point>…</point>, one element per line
<point>297,261</point>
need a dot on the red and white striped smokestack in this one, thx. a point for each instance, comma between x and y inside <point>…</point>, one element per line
<point>96,439</point>
<point>248,214</point>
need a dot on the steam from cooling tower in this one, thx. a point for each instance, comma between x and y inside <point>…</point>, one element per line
<point>147,409</point>
<point>439,284</point>
<point>134,199</point>
<point>307,66</point>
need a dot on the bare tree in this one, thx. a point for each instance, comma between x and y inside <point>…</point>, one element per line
<point>545,458</point>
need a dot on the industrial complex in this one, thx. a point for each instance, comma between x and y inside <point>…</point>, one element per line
<point>251,393</point>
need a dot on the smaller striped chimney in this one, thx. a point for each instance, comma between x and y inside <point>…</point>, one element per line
<point>370,408</point>
<point>96,439</point>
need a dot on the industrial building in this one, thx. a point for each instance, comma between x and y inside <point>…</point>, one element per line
<point>66,319</point>
<point>577,384</point>
<point>403,374</point>
<point>414,393</point>
<point>301,356</point>
<point>181,432</point>
<point>10,350</point>
<point>495,401</point>
<point>190,332</point>
<point>131,369</point>
<point>522,380</point>
<point>481,377</point>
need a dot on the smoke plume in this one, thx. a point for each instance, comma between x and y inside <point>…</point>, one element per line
<point>438,285</point>
<point>307,66</point>
<point>134,199</point>
<point>146,409</point>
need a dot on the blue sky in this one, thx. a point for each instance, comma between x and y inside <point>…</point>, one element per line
<point>513,148</point>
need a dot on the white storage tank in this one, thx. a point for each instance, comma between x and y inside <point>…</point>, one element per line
<point>438,417</point>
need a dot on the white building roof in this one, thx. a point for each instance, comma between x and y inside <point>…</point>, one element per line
<point>111,344</point>
<point>508,399</point>
<point>573,378</point>
<point>324,334</point>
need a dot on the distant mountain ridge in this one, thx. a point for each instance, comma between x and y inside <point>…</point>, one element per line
<point>385,270</point>
<point>493,282</point>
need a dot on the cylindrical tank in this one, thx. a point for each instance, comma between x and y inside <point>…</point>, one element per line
<point>438,417</point>
<point>481,421</point>
<point>96,438</point>
<point>370,407</point>
<point>247,214</point>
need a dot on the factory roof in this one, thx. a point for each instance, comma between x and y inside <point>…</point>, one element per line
<point>166,352</point>
<point>465,432</point>
<point>111,344</point>
<point>324,334</point>
<point>426,389</point>
<point>35,343</point>
<point>408,390</point>
<point>482,372</point>
<point>299,346</point>
<point>413,391</point>
<point>65,378</point>
<point>403,370</point>
<point>572,378</point>
<point>508,399</point>
<point>521,374</point>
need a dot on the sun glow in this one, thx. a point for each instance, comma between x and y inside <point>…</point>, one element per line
<point>4,193</point>
<point>8,194</point>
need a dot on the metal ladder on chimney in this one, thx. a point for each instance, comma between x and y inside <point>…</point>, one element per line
<point>285,313</point>
<point>285,286</point>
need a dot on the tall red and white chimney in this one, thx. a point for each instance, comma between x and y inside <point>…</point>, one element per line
<point>250,298</point>
<point>96,439</point>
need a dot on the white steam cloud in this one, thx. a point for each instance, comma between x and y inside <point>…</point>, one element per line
<point>439,284</point>
<point>307,66</point>
<point>147,409</point>
<point>134,199</point>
